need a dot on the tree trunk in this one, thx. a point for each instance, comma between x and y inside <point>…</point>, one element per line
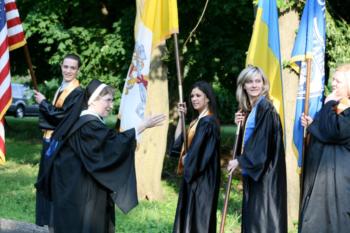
<point>289,23</point>
<point>151,149</point>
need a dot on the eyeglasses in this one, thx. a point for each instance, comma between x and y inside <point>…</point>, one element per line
<point>108,100</point>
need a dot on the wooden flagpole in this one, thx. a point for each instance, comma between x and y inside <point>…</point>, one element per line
<point>305,139</point>
<point>179,80</point>
<point>229,182</point>
<point>30,66</point>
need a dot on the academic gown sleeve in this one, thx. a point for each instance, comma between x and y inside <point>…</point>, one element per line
<point>50,116</point>
<point>258,150</point>
<point>202,148</point>
<point>329,127</point>
<point>108,157</point>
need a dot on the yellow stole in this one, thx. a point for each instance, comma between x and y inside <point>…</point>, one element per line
<point>190,135</point>
<point>58,101</point>
<point>343,104</point>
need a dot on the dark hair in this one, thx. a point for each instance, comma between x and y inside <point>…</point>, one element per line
<point>208,91</point>
<point>74,57</point>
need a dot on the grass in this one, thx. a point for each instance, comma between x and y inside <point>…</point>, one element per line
<point>19,174</point>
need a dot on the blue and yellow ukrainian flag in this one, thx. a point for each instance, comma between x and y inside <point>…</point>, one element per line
<point>309,43</point>
<point>264,50</point>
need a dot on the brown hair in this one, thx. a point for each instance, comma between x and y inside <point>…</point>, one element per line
<point>74,57</point>
<point>107,90</point>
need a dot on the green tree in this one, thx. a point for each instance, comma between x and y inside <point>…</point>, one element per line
<point>102,33</point>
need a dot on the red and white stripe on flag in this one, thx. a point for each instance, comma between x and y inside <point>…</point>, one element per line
<point>11,37</point>
<point>16,35</point>
<point>5,77</point>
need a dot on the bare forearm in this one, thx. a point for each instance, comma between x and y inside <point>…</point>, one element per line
<point>178,130</point>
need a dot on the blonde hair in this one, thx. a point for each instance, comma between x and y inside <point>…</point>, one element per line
<point>241,94</point>
<point>344,69</point>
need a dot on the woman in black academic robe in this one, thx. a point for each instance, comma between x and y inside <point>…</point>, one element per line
<point>92,167</point>
<point>262,158</point>
<point>326,187</point>
<point>198,196</point>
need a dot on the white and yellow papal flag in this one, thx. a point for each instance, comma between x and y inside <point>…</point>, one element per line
<point>155,21</point>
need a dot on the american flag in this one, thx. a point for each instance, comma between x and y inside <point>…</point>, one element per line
<point>11,37</point>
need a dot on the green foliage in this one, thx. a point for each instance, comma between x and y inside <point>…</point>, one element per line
<point>283,4</point>
<point>287,5</point>
<point>55,28</point>
<point>20,79</point>
<point>49,87</point>
<point>226,103</point>
<point>337,44</point>
<point>337,35</point>
<point>102,33</point>
<point>216,51</point>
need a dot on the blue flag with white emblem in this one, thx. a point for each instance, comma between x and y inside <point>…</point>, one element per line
<point>309,43</point>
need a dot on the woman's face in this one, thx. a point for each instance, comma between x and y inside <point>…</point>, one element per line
<point>102,105</point>
<point>199,99</point>
<point>254,87</point>
<point>340,84</point>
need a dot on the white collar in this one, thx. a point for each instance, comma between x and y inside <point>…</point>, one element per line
<point>89,112</point>
<point>63,86</point>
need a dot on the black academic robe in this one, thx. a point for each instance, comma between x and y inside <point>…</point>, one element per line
<point>49,118</point>
<point>88,172</point>
<point>326,199</point>
<point>264,207</point>
<point>198,196</point>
